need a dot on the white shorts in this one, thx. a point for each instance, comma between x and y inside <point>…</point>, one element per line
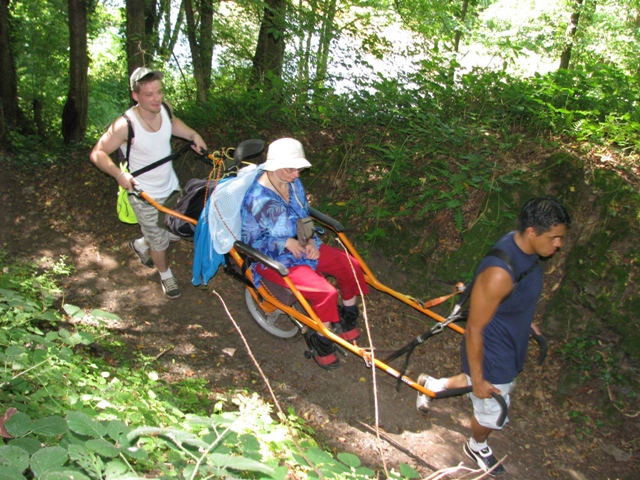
<point>487,410</point>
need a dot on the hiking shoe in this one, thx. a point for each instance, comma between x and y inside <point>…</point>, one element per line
<point>145,257</point>
<point>170,287</point>
<point>322,350</point>
<point>348,324</point>
<point>423,401</point>
<point>485,460</point>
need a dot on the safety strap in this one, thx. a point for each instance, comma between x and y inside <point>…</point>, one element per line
<point>457,312</point>
<point>131,134</point>
<point>504,256</point>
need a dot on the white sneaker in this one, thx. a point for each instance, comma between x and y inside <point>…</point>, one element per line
<point>423,400</point>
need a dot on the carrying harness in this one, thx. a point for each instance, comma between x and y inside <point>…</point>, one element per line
<point>131,134</point>
<point>458,314</point>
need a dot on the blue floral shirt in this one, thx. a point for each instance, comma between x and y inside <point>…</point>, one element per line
<point>268,221</point>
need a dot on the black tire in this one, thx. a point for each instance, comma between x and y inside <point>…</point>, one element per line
<point>277,323</point>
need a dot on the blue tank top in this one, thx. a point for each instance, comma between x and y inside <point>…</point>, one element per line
<point>506,336</point>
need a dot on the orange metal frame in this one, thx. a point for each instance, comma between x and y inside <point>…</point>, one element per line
<point>269,303</point>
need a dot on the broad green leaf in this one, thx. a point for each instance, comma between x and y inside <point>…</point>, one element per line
<point>249,443</point>
<point>30,444</point>
<point>178,436</point>
<point>407,472</point>
<point>77,451</point>
<point>79,337</point>
<point>136,453</point>
<point>365,472</point>
<point>115,469</point>
<point>116,428</point>
<point>338,468</point>
<point>49,426</point>
<point>11,473</point>
<point>47,458</point>
<point>103,448</point>
<point>238,463</point>
<point>349,459</point>
<point>64,474</point>
<point>48,316</point>
<point>14,457</point>
<point>73,311</point>
<point>18,425</point>
<point>83,424</point>
<point>102,314</point>
<point>14,352</point>
<point>318,456</point>
<point>280,473</point>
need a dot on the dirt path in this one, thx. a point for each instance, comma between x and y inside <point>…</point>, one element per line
<point>71,211</point>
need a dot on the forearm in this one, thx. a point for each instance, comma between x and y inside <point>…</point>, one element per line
<point>474,344</point>
<point>182,130</point>
<point>103,161</point>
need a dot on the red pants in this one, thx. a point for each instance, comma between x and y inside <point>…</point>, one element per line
<point>314,286</point>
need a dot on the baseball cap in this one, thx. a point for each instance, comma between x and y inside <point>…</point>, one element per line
<point>139,73</point>
<point>285,153</point>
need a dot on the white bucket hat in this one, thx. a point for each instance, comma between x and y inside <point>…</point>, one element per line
<point>139,73</point>
<point>285,153</point>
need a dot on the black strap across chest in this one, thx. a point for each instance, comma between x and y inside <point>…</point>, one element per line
<point>504,256</point>
<point>131,134</point>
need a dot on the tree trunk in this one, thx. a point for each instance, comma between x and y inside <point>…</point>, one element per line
<point>12,115</point>
<point>74,114</point>
<point>327,34</point>
<point>138,54</point>
<point>170,35</point>
<point>201,45</point>
<point>572,28</point>
<point>269,56</point>
<point>463,17</point>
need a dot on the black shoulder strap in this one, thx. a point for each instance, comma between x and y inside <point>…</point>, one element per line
<point>166,107</point>
<point>504,256</point>
<point>157,163</point>
<point>130,135</point>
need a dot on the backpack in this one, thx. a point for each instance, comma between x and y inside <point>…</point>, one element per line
<point>190,203</point>
<point>191,200</point>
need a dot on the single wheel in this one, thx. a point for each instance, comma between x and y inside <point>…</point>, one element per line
<point>276,323</point>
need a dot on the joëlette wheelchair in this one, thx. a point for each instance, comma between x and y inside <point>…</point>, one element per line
<point>284,313</point>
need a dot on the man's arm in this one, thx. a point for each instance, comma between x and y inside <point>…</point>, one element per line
<point>489,290</point>
<point>111,140</point>
<point>180,129</point>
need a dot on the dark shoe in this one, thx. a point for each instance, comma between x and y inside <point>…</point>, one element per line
<point>348,324</point>
<point>170,287</point>
<point>323,350</point>
<point>145,257</point>
<point>485,460</point>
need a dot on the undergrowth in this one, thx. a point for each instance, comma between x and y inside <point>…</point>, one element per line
<point>70,414</point>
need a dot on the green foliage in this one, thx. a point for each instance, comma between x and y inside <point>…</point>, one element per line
<point>40,37</point>
<point>73,415</point>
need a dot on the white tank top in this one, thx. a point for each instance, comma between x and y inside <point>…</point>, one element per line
<point>148,147</point>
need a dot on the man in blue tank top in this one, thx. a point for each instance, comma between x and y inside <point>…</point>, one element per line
<point>153,124</point>
<point>500,318</point>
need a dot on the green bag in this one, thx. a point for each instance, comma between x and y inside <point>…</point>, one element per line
<point>125,212</point>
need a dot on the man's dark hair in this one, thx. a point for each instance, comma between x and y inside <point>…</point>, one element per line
<point>542,213</point>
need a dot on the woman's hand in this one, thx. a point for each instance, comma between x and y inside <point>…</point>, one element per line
<point>310,251</point>
<point>294,247</point>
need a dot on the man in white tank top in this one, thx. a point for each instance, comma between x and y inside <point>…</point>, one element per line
<point>153,126</point>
